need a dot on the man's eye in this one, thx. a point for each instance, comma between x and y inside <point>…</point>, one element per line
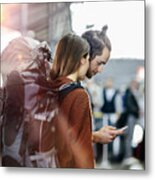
<point>99,63</point>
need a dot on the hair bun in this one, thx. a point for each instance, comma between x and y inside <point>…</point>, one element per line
<point>104,30</point>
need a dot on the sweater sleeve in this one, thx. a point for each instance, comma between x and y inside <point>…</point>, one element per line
<point>80,130</point>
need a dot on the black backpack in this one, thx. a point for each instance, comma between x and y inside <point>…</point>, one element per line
<point>28,128</point>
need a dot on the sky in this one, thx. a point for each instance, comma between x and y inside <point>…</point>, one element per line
<point>125,20</point>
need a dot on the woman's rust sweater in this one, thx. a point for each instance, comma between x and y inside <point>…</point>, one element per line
<point>74,129</point>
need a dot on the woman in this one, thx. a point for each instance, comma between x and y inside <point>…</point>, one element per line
<point>73,123</point>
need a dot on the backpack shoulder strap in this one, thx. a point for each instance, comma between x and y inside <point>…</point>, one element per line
<point>67,88</point>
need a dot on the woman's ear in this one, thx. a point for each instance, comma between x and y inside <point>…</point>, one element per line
<point>83,61</point>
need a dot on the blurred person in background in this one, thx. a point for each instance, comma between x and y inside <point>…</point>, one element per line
<point>112,109</point>
<point>132,111</point>
<point>139,149</point>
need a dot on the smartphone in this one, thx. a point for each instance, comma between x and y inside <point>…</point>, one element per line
<point>123,128</point>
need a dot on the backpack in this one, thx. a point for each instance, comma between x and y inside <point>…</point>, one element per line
<point>28,128</point>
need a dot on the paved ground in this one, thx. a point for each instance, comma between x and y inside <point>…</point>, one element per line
<point>128,164</point>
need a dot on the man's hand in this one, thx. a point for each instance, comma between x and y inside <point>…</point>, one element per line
<point>106,134</point>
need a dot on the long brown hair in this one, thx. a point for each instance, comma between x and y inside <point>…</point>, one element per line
<point>69,51</point>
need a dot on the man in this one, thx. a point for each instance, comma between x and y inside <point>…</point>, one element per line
<point>132,111</point>
<point>100,49</point>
